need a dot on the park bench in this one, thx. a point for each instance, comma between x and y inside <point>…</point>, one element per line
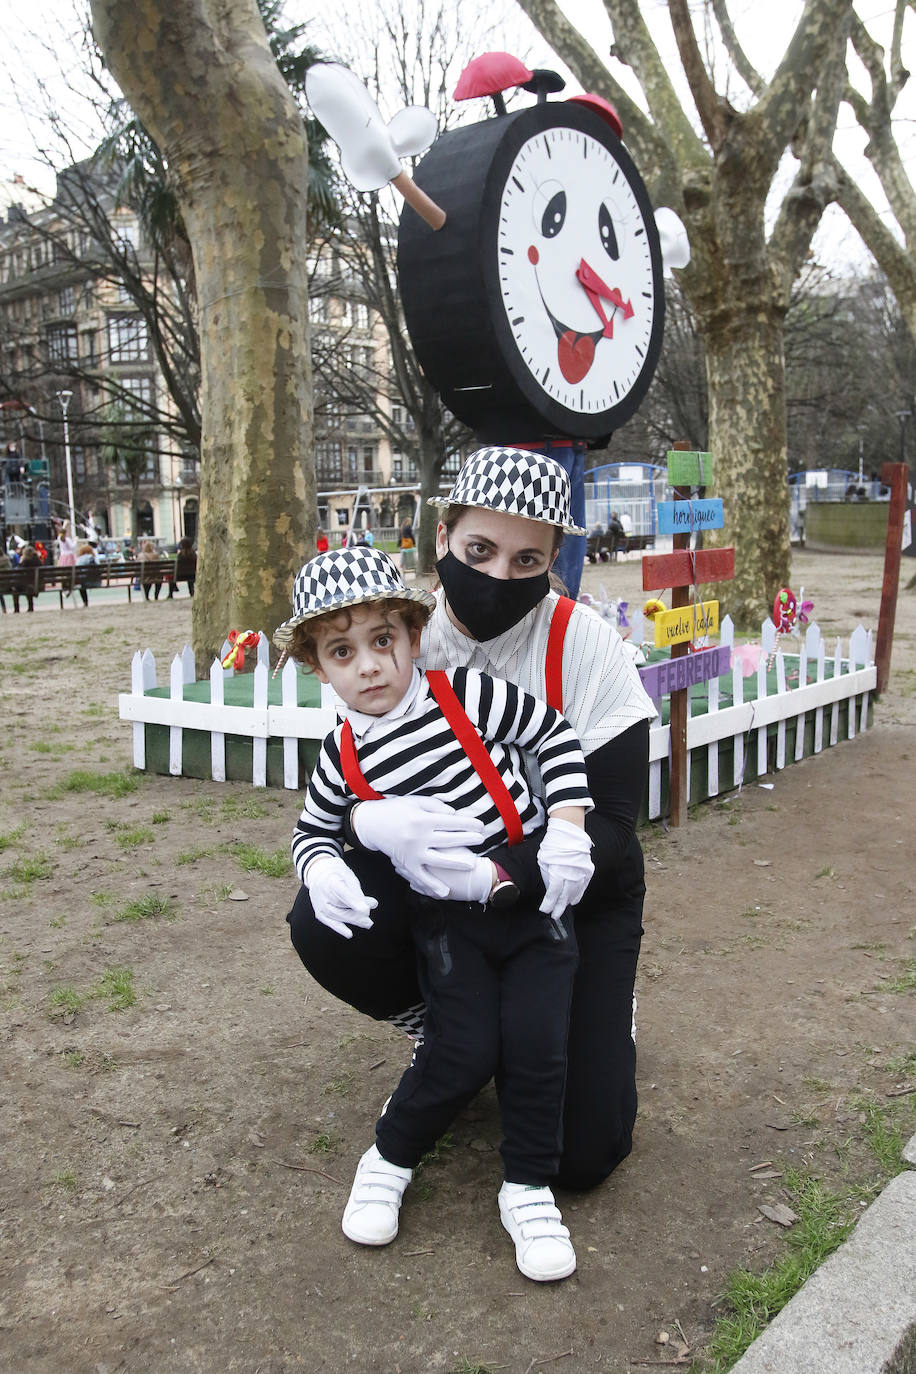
<point>604,546</point>
<point>31,581</point>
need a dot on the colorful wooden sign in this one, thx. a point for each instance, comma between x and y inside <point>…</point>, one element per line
<point>680,517</point>
<point>684,567</point>
<point>686,623</point>
<point>679,673</point>
<point>686,469</point>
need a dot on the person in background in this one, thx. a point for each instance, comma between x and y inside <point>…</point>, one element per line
<point>321,541</point>
<point>149,554</point>
<point>28,561</point>
<point>85,558</point>
<point>5,566</point>
<point>407,539</point>
<point>185,565</point>
<point>66,547</point>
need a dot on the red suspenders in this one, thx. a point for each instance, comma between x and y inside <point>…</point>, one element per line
<point>553,666</point>
<point>465,733</point>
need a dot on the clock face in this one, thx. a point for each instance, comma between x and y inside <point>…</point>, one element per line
<point>578,275</point>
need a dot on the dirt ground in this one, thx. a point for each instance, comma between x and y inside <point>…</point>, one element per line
<point>173,1173</point>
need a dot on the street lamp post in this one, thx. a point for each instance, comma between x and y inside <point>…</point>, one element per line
<point>65,397</point>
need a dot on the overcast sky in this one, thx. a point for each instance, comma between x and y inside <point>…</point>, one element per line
<point>43,53</point>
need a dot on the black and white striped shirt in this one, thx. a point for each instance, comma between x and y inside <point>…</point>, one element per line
<point>412,751</point>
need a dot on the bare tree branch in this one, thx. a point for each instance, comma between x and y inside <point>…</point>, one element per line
<point>713,111</point>
<point>745,69</point>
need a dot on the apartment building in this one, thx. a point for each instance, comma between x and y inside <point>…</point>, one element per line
<point>68,325</point>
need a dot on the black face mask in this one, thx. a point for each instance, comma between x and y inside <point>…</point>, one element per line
<point>488,606</point>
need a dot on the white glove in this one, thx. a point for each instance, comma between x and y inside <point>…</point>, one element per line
<point>338,901</point>
<point>418,832</point>
<point>447,882</point>
<point>563,858</point>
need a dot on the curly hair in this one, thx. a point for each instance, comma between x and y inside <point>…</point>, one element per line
<point>302,643</point>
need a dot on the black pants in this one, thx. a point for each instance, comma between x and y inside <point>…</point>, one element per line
<point>156,585</point>
<point>375,972</point>
<point>497,987</point>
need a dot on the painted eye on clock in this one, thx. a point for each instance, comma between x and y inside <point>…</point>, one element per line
<point>549,208</point>
<point>607,232</point>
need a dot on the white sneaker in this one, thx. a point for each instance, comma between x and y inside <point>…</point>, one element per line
<point>371,1214</point>
<point>543,1250</point>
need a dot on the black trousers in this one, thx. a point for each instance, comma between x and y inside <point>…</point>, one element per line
<point>376,973</point>
<point>497,987</point>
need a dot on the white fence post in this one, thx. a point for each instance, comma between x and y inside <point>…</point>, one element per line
<point>781,724</point>
<point>142,680</point>
<point>182,672</point>
<point>762,696</point>
<point>289,684</point>
<point>217,737</point>
<point>835,708</point>
<point>259,743</point>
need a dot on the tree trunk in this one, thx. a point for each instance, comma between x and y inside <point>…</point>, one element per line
<point>202,79</point>
<point>432,460</point>
<point>747,428</point>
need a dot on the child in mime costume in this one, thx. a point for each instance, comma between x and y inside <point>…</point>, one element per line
<point>496,973</point>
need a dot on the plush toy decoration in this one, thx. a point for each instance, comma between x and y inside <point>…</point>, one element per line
<point>785,608</point>
<point>239,641</point>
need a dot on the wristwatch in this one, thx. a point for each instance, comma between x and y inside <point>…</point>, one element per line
<point>505,892</point>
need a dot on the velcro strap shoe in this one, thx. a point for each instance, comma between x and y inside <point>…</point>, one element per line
<point>543,1250</point>
<point>371,1214</point>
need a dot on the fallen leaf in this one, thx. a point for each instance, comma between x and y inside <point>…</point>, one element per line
<point>762,863</point>
<point>768,1173</point>
<point>237,895</point>
<point>256,1138</point>
<point>777,1125</point>
<point>781,1214</point>
<point>662,1338</point>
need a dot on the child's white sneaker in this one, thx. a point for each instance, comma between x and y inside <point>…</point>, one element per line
<point>543,1250</point>
<point>371,1214</point>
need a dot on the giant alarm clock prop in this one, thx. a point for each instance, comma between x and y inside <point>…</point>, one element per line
<point>529,260</point>
<point>537,310</point>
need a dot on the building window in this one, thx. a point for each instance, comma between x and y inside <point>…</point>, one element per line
<point>362,315</point>
<point>128,341</point>
<point>66,302</point>
<point>140,391</point>
<point>369,458</point>
<point>62,345</point>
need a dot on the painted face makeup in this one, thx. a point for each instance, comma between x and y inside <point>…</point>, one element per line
<point>369,661</point>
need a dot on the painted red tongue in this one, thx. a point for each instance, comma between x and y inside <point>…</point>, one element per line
<point>575,355</point>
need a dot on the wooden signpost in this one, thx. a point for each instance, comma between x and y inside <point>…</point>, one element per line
<point>687,620</point>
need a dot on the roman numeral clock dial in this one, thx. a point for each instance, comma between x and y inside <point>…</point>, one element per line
<point>549,301</point>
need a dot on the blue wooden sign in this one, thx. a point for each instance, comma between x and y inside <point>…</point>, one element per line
<point>682,517</point>
<point>675,674</point>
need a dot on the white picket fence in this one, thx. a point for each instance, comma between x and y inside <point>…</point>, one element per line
<point>838,678</point>
<point>259,722</point>
<point>850,677</point>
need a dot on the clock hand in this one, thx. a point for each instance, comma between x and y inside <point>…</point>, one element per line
<point>596,289</point>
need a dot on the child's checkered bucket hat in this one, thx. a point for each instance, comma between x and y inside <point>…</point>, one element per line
<point>345,577</point>
<point>515,481</point>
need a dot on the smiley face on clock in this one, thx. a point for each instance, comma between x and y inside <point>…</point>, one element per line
<point>575,269</point>
<point>538,310</point>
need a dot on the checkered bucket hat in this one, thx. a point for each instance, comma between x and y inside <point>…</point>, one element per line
<point>345,577</point>
<point>515,481</point>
